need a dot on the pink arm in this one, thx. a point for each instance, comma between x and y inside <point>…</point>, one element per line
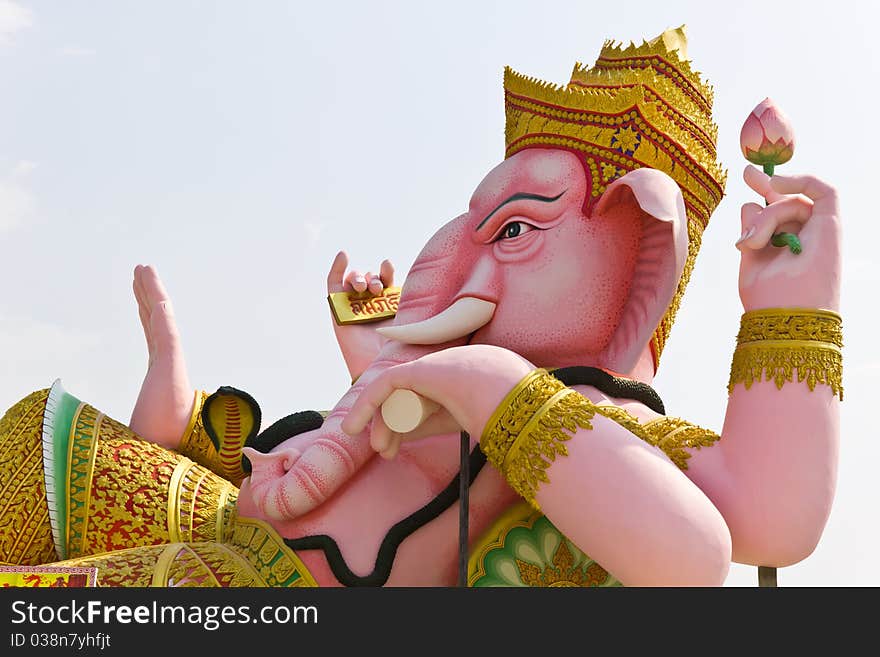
<point>772,475</point>
<point>632,510</point>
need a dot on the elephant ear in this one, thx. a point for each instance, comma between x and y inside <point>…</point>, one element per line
<point>660,261</point>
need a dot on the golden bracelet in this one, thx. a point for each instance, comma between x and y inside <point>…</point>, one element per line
<point>196,444</point>
<point>514,412</point>
<point>774,342</point>
<point>791,324</point>
<point>526,432</point>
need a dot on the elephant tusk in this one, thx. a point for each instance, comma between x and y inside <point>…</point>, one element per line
<point>461,318</point>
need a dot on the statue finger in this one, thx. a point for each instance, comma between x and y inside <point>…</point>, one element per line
<point>381,436</point>
<point>759,226</point>
<point>368,402</point>
<point>137,284</point>
<point>393,448</point>
<point>374,284</point>
<point>356,281</point>
<point>139,293</point>
<point>337,273</point>
<point>748,217</point>
<point>140,297</point>
<point>760,183</point>
<point>153,286</point>
<point>372,396</point>
<point>386,273</point>
<point>823,195</point>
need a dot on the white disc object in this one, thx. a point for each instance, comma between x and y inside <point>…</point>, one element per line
<point>405,410</point>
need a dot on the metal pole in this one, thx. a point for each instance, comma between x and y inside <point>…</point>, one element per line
<point>766,576</point>
<point>464,480</point>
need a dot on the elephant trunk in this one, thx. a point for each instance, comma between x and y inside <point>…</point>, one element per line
<point>287,483</point>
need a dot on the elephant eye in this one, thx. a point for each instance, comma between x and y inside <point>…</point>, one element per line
<point>515,229</point>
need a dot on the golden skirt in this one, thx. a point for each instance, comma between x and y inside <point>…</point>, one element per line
<point>78,488</point>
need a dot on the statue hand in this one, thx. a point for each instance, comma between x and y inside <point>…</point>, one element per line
<point>773,277</point>
<point>467,383</point>
<point>165,401</point>
<point>359,343</point>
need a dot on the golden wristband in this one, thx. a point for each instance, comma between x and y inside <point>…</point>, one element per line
<point>772,343</point>
<point>528,429</point>
<point>791,324</point>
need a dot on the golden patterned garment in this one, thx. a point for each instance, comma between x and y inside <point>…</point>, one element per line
<point>251,554</point>
<point>81,489</point>
<point>77,483</point>
<point>25,531</point>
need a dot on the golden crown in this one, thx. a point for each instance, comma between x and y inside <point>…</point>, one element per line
<point>637,106</point>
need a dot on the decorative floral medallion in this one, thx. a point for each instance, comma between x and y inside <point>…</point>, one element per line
<point>523,548</point>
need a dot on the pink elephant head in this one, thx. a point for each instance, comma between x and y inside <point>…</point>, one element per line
<point>536,267</point>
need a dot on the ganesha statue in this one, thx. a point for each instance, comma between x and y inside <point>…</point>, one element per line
<point>515,374</point>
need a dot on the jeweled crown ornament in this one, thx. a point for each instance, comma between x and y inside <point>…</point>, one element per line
<point>637,106</point>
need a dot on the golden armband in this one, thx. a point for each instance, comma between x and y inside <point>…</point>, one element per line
<point>527,430</point>
<point>196,444</point>
<point>774,342</point>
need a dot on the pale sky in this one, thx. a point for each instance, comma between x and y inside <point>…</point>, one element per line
<point>238,146</point>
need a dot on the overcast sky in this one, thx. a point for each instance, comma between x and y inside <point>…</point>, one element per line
<point>238,146</point>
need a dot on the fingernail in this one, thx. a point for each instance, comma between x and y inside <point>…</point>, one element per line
<point>746,235</point>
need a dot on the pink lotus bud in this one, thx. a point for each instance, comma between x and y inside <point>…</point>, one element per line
<point>767,136</point>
